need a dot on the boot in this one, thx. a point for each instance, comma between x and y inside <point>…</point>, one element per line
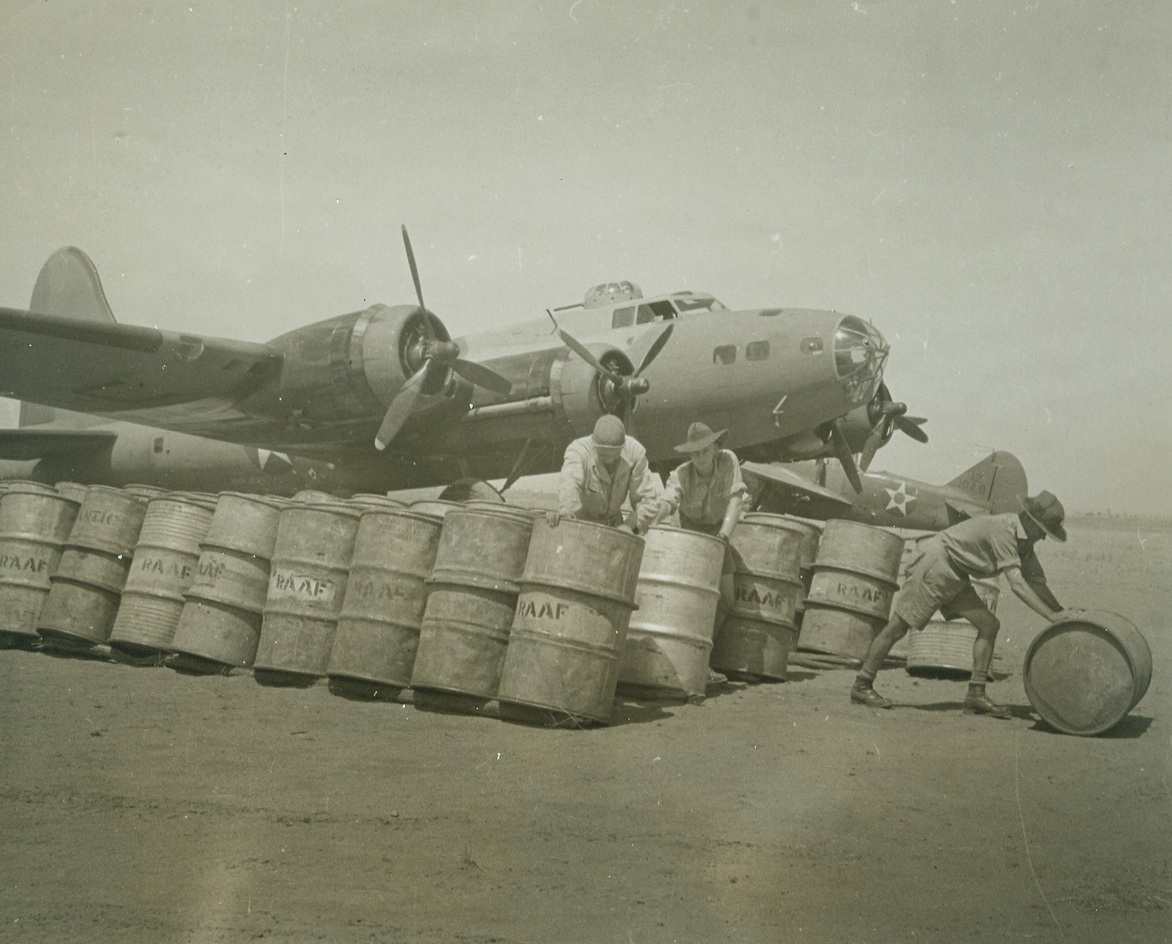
<point>979,704</point>
<point>863,694</point>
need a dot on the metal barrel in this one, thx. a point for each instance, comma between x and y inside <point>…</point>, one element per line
<point>669,637</point>
<point>577,592</point>
<point>378,625</point>
<point>368,500</point>
<point>73,490</point>
<point>434,506</point>
<point>854,578</point>
<point>147,492</point>
<point>945,647</point>
<point>34,525</point>
<point>471,602</point>
<point>1085,673</point>
<point>310,565</point>
<point>166,557</point>
<point>222,610</point>
<point>760,632</point>
<point>95,560</point>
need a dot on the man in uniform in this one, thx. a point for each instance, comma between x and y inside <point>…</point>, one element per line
<point>602,470</point>
<point>707,490</point>
<point>939,580</point>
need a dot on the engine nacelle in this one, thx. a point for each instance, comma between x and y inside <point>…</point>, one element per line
<point>580,394</point>
<point>348,369</point>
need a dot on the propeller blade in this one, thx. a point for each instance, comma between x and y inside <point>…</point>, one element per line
<point>653,351</point>
<point>400,408</point>
<point>427,329</point>
<point>842,452</point>
<point>874,441</point>
<point>585,353</point>
<point>910,425</point>
<point>482,376</point>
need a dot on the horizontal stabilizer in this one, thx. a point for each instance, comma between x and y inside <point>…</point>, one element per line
<point>33,443</point>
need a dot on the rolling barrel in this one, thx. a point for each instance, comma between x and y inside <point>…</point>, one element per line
<point>219,627</point>
<point>378,626</point>
<point>761,630</point>
<point>669,637</point>
<point>165,561</point>
<point>34,524</point>
<point>310,565</point>
<point>577,591</point>
<point>853,582</point>
<point>471,603</point>
<point>1084,673</point>
<point>85,591</point>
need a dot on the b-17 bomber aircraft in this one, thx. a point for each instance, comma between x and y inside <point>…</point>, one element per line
<point>821,490</point>
<point>385,398</point>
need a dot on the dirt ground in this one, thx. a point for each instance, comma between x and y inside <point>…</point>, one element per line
<point>138,804</point>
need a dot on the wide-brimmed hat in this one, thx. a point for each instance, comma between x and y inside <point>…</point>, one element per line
<point>1047,513</point>
<point>700,436</point>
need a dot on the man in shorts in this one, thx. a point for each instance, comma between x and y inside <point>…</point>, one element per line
<point>939,579</point>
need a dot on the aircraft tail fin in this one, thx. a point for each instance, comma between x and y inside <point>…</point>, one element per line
<point>997,480</point>
<point>68,286</point>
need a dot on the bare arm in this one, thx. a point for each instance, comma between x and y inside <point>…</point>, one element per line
<point>1029,596</point>
<point>732,515</point>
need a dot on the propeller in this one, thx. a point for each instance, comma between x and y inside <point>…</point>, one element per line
<point>627,387</point>
<point>434,351</point>
<point>889,416</point>
<point>842,452</point>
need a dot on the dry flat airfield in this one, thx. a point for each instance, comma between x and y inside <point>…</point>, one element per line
<point>141,805</point>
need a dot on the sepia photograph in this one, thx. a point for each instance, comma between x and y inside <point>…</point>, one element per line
<point>653,472</point>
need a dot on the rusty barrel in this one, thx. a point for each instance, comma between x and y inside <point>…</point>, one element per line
<point>669,637</point>
<point>310,565</point>
<point>84,592</point>
<point>761,631</point>
<point>1083,674</point>
<point>34,525</point>
<point>219,627</point>
<point>471,603</point>
<point>577,592</point>
<point>854,579</point>
<point>165,561</point>
<point>945,647</point>
<point>378,626</point>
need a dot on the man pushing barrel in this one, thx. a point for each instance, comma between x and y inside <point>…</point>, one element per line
<point>939,579</point>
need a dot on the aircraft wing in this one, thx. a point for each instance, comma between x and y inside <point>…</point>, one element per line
<point>32,443</point>
<point>791,485</point>
<point>108,368</point>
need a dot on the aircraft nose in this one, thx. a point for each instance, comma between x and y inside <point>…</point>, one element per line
<point>860,351</point>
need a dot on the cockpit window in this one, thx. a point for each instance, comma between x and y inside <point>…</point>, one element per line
<point>655,311</point>
<point>623,317</point>
<point>698,304</point>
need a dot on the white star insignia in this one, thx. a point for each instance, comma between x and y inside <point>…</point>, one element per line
<point>900,499</point>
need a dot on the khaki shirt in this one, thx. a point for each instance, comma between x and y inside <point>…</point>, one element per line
<point>987,545</point>
<point>587,491</point>
<point>703,499</point>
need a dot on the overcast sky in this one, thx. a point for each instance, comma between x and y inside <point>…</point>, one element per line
<point>988,181</point>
